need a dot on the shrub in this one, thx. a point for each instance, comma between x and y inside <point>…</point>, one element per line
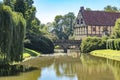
<point>117,44</point>
<point>39,43</point>
<point>113,44</point>
<point>92,43</point>
<point>116,29</point>
<point>110,44</point>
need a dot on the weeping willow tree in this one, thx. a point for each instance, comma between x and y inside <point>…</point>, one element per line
<point>12,31</point>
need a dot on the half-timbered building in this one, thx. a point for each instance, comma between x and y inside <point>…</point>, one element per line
<point>94,23</point>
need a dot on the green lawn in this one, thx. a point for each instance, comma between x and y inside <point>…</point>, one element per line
<point>28,53</point>
<point>110,54</point>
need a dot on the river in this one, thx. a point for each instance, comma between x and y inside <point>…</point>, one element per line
<point>84,67</point>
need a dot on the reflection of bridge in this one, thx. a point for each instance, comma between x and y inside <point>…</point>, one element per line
<point>68,44</point>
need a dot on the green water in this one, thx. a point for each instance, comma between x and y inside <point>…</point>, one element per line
<point>85,67</point>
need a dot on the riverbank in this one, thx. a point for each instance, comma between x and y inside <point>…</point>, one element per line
<point>28,54</point>
<point>110,54</point>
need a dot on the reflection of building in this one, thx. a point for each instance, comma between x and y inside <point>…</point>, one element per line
<point>94,23</point>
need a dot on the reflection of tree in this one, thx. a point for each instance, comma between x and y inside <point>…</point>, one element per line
<point>94,68</point>
<point>66,67</point>
<point>101,67</point>
<point>115,66</point>
<point>34,75</point>
<point>56,67</point>
<point>87,68</point>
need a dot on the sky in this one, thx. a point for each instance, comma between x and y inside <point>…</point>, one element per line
<point>48,9</point>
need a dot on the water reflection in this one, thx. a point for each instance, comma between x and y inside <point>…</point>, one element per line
<point>85,67</point>
<point>50,73</point>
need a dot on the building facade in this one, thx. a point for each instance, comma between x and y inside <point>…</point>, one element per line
<point>94,23</point>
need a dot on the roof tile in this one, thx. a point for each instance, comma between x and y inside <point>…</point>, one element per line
<point>100,18</point>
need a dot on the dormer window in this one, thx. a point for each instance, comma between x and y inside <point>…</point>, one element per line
<point>78,21</point>
<point>81,21</point>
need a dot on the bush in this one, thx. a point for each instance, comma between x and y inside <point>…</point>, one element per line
<point>92,43</point>
<point>117,44</point>
<point>110,44</point>
<point>113,44</point>
<point>40,44</point>
<point>116,29</point>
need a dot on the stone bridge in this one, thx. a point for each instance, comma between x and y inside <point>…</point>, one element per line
<point>68,44</point>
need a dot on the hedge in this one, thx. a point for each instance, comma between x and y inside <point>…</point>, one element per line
<point>92,43</point>
<point>39,43</point>
<point>113,44</point>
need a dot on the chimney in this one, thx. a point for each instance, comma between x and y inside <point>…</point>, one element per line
<point>81,9</point>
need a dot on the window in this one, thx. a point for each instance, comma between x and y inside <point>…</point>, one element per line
<point>94,28</point>
<point>105,29</point>
<point>81,21</point>
<point>77,21</point>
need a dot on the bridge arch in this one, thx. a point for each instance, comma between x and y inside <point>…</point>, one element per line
<point>66,44</point>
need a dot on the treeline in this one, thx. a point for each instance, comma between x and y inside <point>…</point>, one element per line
<point>108,8</point>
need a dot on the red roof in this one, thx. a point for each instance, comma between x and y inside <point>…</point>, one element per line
<point>100,18</point>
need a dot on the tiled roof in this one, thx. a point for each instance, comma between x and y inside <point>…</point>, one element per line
<point>100,18</point>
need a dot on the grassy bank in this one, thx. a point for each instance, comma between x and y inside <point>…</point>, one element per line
<point>28,53</point>
<point>110,54</point>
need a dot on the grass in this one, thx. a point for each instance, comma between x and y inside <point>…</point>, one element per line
<point>57,47</point>
<point>28,53</point>
<point>110,54</point>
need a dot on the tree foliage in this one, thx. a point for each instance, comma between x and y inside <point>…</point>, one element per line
<point>9,3</point>
<point>92,43</point>
<point>113,44</point>
<point>19,6</point>
<point>12,33</point>
<point>40,44</point>
<point>116,29</point>
<point>88,9</point>
<point>29,11</point>
<point>109,8</point>
<point>63,25</point>
<point>33,26</point>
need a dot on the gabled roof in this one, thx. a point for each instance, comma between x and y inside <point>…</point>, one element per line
<point>99,18</point>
